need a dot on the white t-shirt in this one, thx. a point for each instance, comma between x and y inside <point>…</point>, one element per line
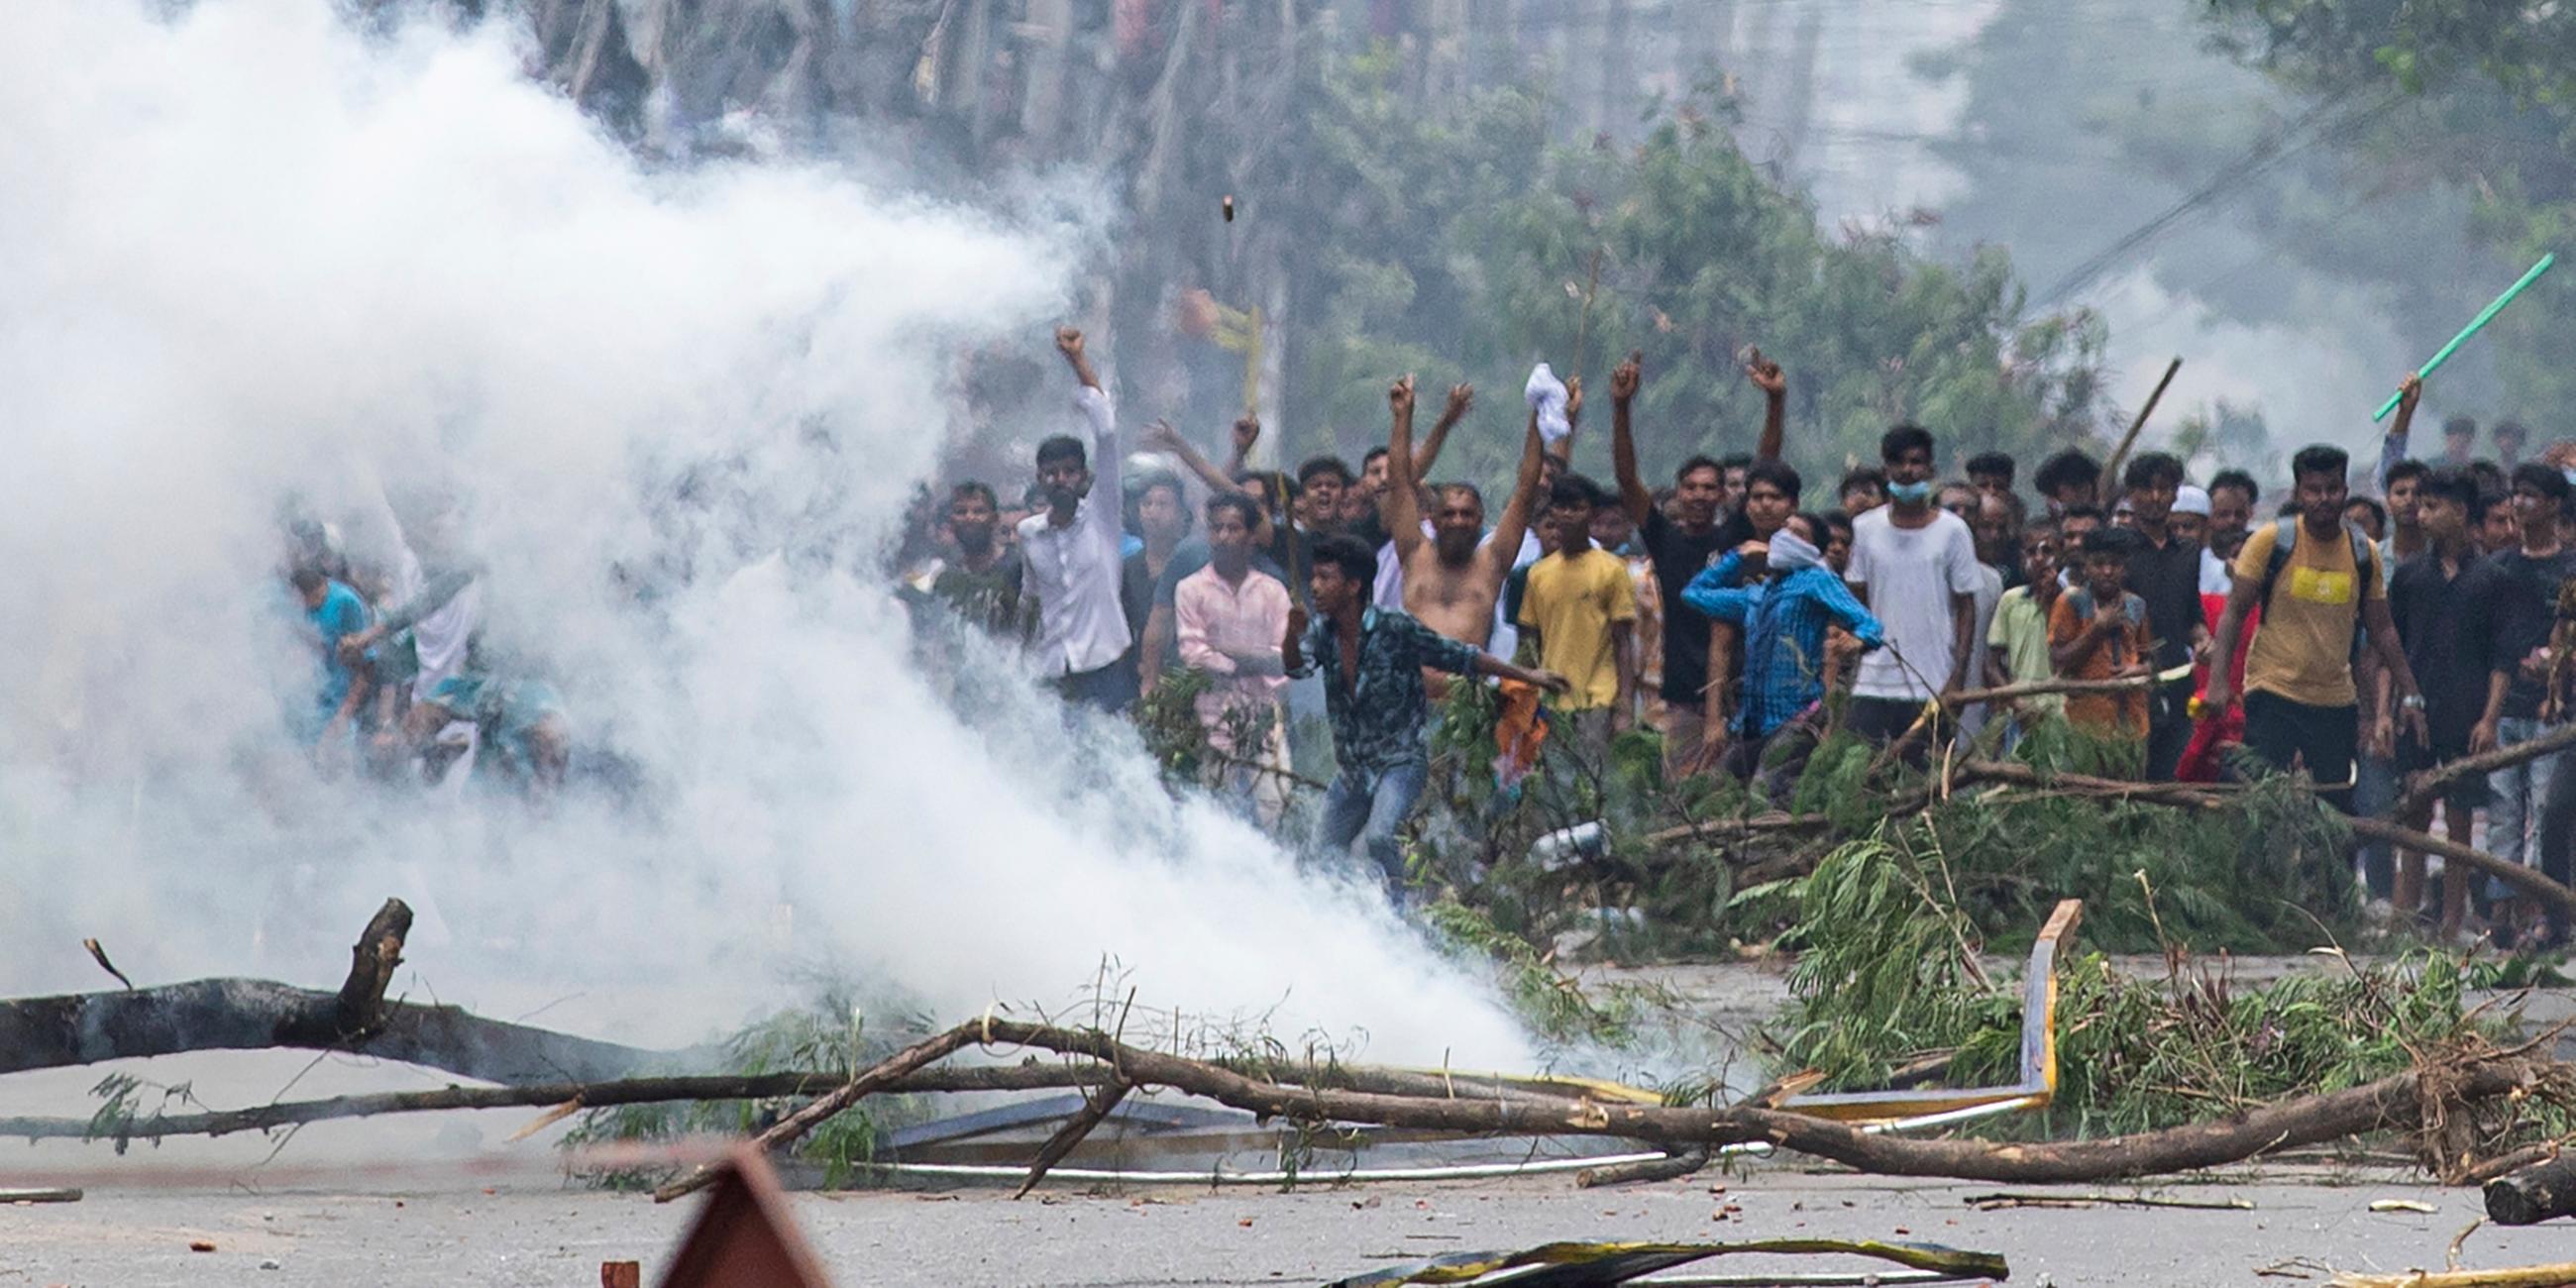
<point>1911,573</point>
<point>1981,672</point>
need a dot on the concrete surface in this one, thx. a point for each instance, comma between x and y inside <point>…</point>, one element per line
<point>552,1237</point>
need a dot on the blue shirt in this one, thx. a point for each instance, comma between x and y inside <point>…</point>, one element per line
<point>341,613</point>
<point>1377,717</point>
<point>1784,623</point>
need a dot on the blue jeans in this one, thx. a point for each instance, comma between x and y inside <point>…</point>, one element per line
<point>2513,811</point>
<point>1371,808</point>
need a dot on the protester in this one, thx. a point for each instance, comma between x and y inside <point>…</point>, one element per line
<point>2509,438</point>
<point>2320,590</point>
<point>2232,497</point>
<point>1578,616</point>
<point>2017,641</point>
<point>2068,479</point>
<point>1371,663</point>
<point>1992,473</point>
<point>2164,570</point>
<point>1990,534</point>
<point>1159,515</point>
<point>1229,618</point>
<point>1838,541</point>
<point>2100,630</point>
<point>1680,546</point>
<point>2433,598</point>
<point>1613,531</point>
<point>1072,551</point>
<point>2518,620</point>
<point>1321,482</point>
<point>982,584</point>
<point>1783,599</point>
<point>2459,441</point>
<point>2190,522</point>
<point>328,722</point>
<point>1914,566</point>
<point>1862,490</point>
<point>2492,528</point>
<point>2405,538</point>
<point>1453,574</point>
<point>2368,516</point>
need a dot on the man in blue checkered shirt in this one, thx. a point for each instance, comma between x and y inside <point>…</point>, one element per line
<point>1782,597</point>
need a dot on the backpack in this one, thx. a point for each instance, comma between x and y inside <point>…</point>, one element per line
<point>2285,539</point>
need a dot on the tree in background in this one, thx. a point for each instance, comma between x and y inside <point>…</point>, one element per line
<point>2481,95</point>
<point>1458,244</point>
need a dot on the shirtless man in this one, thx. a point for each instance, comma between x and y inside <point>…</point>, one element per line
<point>1453,577</point>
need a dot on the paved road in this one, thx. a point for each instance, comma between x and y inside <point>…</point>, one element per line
<point>556,1238</point>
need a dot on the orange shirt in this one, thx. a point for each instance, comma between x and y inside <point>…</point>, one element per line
<point>2121,715</point>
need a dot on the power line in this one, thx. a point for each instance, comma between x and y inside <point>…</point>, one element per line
<point>2265,155</point>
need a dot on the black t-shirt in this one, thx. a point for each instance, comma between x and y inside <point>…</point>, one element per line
<point>2450,660</point>
<point>2169,580</point>
<point>2519,618</point>
<point>1678,556</point>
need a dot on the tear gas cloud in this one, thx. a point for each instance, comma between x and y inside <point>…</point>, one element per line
<point>255,254</point>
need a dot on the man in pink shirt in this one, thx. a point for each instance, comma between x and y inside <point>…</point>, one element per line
<point>1230,619</point>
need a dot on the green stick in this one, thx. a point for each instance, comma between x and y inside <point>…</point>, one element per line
<point>2485,316</point>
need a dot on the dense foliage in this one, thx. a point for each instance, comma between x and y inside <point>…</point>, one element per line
<point>2475,94</point>
<point>1457,243</point>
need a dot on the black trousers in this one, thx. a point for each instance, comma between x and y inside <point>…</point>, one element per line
<point>2322,739</point>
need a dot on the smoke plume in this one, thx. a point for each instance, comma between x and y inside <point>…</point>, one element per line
<point>255,254</point>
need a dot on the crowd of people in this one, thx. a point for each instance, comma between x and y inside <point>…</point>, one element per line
<point>2180,630</point>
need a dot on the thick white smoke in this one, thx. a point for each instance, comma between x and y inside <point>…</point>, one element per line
<point>251,251</point>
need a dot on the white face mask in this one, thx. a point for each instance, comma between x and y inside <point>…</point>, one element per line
<point>1791,552</point>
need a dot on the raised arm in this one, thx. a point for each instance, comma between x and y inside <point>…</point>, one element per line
<point>1513,523</point>
<point>1068,341</point>
<point>1403,513</point>
<point>1107,460</point>
<point>1634,496</point>
<point>2392,449</point>
<point>1767,377</point>
<point>1563,450</point>
<point>1461,397</point>
<point>1161,437</point>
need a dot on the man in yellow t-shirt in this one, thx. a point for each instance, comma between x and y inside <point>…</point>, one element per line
<point>1578,614</point>
<point>2300,701</point>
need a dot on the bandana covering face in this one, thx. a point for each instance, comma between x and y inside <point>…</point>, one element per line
<point>1910,493</point>
<point>1791,552</point>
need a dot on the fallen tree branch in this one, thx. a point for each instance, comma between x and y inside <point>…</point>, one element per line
<point>2196,796</point>
<point>2042,688</point>
<point>2427,786</point>
<point>1671,1167</point>
<point>1095,1111</point>
<point>2392,1102</point>
<point>257,1014</point>
<point>792,1128</point>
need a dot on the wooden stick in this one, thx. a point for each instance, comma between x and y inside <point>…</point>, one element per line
<point>792,1128</point>
<point>2038,688</point>
<point>1095,1111</point>
<point>1991,1202</point>
<point>54,1195</point>
<point>2111,472</point>
<point>2555,1276</point>
<point>1671,1167</point>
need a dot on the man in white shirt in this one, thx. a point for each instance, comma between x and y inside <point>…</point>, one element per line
<point>1071,551</point>
<point>1914,566</point>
